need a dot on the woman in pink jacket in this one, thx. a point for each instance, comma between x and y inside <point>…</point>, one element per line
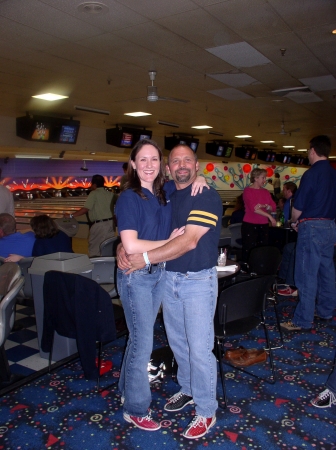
<point>258,208</point>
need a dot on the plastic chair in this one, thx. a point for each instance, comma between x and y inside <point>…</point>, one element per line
<point>11,281</point>
<point>240,309</point>
<point>103,273</point>
<point>27,291</point>
<point>109,246</point>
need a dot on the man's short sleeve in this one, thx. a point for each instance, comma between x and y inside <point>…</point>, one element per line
<point>206,210</point>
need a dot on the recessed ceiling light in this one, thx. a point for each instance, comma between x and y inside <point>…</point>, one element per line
<point>277,100</point>
<point>50,97</point>
<point>333,31</point>
<point>302,150</point>
<point>92,153</point>
<point>201,127</point>
<point>137,114</point>
<point>288,146</point>
<point>93,8</point>
<point>243,136</point>
<point>267,142</point>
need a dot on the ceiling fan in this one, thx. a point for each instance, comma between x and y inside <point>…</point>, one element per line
<point>284,132</point>
<point>152,95</point>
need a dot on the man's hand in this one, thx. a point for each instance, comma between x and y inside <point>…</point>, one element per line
<point>136,262</point>
<point>13,258</point>
<point>122,260</point>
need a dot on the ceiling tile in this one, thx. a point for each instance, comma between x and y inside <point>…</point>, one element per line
<point>239,55</point>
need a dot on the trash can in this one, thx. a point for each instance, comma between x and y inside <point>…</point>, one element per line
<point>63,262</point>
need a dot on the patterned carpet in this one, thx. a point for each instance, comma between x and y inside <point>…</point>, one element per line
<point>64,411</point>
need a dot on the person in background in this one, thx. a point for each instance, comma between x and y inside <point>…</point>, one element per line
<point>327,398</point>
<point>239,211</point>
<point>277,185</point>
<point>288,190</point>
<point>99,208</point>
<point>269,185</point>
<point>123,180</point>
<point>258,207</point>
<point>6,201</point>
<point>12,241</point>
<point>313,215</point>
<point>49,239</point>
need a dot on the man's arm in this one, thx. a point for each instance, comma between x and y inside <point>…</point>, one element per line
<point>173,249</point>
<point>80,212</point>
<point>295,214</point>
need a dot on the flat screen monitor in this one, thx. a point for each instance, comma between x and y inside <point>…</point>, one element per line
<point>68,134</point>
<point>41,131</point>
<point>121,137</point>
<point>173,141</point>
<point>193,145</point>
<point>246,152</point>
<point>228,151</point>
<point>221,150</point>
<point>126,140</point>
<point>145,136</point>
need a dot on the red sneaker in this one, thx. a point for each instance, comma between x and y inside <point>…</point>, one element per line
<point>198,427</point>
<point>288,292</point>
<point>144,423</point>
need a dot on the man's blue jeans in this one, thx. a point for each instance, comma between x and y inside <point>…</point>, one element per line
<point>188,311</point>
<point>331,382</point>
<point>141,294</point>
<point>315,271</point>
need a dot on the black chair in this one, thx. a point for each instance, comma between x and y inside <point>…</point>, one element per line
<point>11,281</point>
<point>109,246</point>
<point>77,307</point>
<point>263,261</point>
<point>240,309</point>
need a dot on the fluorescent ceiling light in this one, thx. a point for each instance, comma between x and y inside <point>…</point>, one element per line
<point>332,157</point>
<point>333,31</point>
<point>32,157</point>
<point>267,142</point>
<point>137,114</point>
<point>50,97</point>
<point>201,127</point>
<point>288,146</point>
<point>114,160</point>
<point>168,124</point>
<point>302,150</point>
<point>243,136</point>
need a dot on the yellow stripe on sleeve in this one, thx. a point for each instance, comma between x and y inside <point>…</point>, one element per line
<point>203,213</point>
<point>201,219</point>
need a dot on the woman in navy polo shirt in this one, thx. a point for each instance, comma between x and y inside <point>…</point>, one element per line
<point>144,222</point>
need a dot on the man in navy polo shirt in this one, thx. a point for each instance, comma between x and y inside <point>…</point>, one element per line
<point>314,212</point>
<point>191,291</point>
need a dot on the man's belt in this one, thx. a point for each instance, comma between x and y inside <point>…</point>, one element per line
<point>102,220</point>
<point>314,218</point>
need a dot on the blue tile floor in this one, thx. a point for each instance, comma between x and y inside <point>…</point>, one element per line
<point>22,346</point>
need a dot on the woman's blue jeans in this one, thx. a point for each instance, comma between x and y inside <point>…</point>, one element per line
<point>188,311</point>
<point>141,294</point>
<point>315,271</point>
